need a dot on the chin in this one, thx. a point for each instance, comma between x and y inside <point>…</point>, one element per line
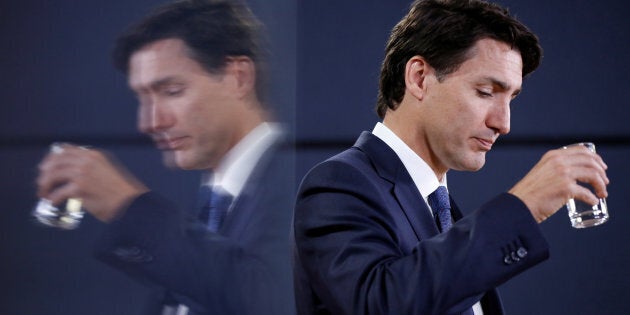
<point>187,165</point>
<point>168,159</point>
<point>176,160</point>
<point>474,169</point>
<point>472,164</point>
<point>477,165</point>
<point>189,161</point>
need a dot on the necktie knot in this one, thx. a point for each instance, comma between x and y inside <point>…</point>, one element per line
<point>215,203</point>
<point>441,206</point>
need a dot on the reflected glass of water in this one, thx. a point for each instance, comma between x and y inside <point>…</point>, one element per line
<point>67,216</point>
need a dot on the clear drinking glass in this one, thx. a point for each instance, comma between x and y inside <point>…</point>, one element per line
<point>583,215</point>
<point>67,216</point>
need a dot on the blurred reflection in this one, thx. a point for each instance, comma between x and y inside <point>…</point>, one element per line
<point>198,69</point>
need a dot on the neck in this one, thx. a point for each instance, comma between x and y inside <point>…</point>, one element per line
<point>251,116</point>
<point>401,123</point>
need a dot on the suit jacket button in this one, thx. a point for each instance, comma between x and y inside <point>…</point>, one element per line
<point>521,252</point>
<point>507,259</point>
<point>514,256</point>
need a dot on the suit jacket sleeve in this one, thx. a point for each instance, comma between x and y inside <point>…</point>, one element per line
<point>243,269</point>
<point>152,243</point>
<point>351,247</point>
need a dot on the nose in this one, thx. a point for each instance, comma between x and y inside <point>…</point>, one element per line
<point>499,117</point>
<point>153,118</point>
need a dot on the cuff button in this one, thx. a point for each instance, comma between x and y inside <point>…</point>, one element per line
<point>521,252</point>
<point>507,259</point>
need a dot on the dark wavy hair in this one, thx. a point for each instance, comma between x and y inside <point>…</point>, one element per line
<point>443,33</point>
<point>211,29</point>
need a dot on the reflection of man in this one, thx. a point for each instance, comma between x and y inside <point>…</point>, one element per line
<point>374,226</point>
<point>197,68</point>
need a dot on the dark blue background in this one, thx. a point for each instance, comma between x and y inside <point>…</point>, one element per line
<point>58,84</point>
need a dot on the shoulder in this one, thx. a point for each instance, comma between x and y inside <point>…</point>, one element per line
<point>350,166</point>
<point>345,181</point>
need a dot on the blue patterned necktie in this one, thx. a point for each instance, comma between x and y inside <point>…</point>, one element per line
<point>441,207</point>
<point>215,204</point>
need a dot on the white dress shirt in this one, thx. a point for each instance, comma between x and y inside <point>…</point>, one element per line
<point>235,168</point>
<point>421,173</point>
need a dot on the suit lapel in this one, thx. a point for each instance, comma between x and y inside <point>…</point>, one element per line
<point>249,200</point>
<point>390,168</point>
<point>416,211</point>
<point>244,205</point>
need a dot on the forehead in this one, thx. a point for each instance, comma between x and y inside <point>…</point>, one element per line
<point>494,59</point>
<point>161,59</point>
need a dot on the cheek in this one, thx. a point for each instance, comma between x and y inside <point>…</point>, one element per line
<point>455,116</point>
<point>468,115</point>
<point>193,111</point>
<point>206,123</point>
<point>208,104</point>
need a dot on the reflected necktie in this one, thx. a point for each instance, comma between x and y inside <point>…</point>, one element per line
<point>441,207</point>
<point>215,204</point>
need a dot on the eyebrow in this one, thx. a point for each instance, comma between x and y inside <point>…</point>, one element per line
<point>501,84</point>
<point>157,84</point>
<point>154,85</point>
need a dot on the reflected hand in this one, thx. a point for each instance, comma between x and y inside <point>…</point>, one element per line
<point>75,172</point>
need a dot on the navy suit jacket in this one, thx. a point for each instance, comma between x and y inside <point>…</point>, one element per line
<point>366,242</point>
<point>244,268</point>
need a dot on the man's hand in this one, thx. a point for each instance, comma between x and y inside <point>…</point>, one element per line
<point>76,172</point>
<point>550,184</point>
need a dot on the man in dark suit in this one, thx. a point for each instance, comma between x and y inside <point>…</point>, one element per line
<point>198,70</point>
<point>375,229</point>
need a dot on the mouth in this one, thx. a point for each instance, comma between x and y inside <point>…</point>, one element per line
<point>169,144</point>
<point>485,144</point>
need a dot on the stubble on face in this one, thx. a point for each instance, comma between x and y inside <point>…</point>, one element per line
<point>475,105</point>
<point>458,118</point>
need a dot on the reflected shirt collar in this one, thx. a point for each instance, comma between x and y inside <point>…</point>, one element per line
<point>238,164</point>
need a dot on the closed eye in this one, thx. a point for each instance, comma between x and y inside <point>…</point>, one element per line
<point>171,90</point>
<point>483,94</point>
<point>169,87</point>
<point>174,91</point>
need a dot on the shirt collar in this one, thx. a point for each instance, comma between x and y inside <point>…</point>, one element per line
<point>421,173</point>
<point>238,164</point>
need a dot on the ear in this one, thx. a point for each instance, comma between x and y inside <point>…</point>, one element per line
<point>416,72</point>
<point>243,69</point>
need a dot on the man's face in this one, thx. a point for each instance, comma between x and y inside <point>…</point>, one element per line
<point>463,115</point>
<point>189,113</point>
